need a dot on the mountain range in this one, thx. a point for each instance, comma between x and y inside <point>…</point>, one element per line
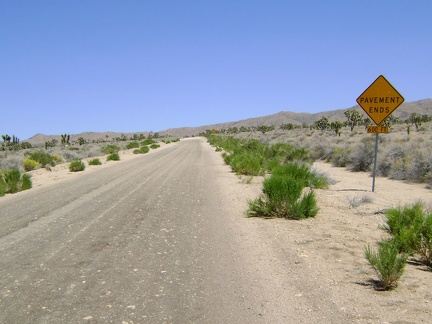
<point>419,107</point>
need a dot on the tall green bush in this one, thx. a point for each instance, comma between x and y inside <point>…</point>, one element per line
<point>13,181</point>
<point>283,196</point>
<point>30,164</point>
<point>411,229</point>
<point>76,166</point>
<point>387,262</point>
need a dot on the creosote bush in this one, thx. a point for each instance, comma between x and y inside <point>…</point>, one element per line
<point>30,164</point>
<point>76,166</point>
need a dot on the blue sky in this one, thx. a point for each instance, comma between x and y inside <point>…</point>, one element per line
<point>149,65</point>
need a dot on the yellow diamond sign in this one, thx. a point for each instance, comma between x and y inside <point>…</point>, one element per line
<point>380,100</point>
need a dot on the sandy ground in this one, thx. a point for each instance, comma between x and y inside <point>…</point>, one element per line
<point>332,244</point>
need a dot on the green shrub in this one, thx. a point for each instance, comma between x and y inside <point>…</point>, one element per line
<point>425,247</point>
<point>147,142</point>
<point>30,164</point>
<point>340,156</point>
<point>110,149</point>
<point>42,157</point>
<point>76,166</point>
<point>3,186</point>
<point>136,152</point>
<point>154,146</point>
<point>387,263</point>
<point>95,161</point>
<point>113,157</point>
<point>13,181</point>
<point>247,164</point>
<point>411,228</point>
<point>26,182</point>
<point>132,145</point>
<point>144,149</point>
<point>57,159</point>
<point>283,197</point>
<point>361,158</point>
<point>404,224</point>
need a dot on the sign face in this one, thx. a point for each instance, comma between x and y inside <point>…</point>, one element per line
<point>380,100</point>
<point>377,129</point>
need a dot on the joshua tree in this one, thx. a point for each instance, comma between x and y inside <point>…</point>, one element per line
<point>353,118</point>
<point>336,127</point>
<point>6,139</point>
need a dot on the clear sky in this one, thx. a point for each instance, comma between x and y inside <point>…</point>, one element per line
<point>70,66</point>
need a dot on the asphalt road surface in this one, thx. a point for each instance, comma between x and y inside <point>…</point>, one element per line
<point>157,239</point>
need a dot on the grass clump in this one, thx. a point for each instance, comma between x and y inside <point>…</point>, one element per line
<point>13,181</point>
<point>95,161</point>
<point>283,196</point>
<point>154,146</point>
<point>30,164</point>
<point>76,166</point>
<point>387,262</point>
<point>113,157</point>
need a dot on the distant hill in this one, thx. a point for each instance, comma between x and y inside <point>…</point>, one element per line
<point>284,117</point>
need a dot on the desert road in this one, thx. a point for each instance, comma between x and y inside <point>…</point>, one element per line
<point>161,238</point>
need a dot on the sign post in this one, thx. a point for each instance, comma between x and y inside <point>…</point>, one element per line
<point>378,101</point>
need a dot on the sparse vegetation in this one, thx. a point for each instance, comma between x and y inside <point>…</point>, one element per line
<point>142,150</point>
<point>410,230</point>
<point>288,191</point>
<point>95,161</point>
<point>113,157</point>
<point>110,149</point>
<point>76,166</point>
<point>132,145</point>
<point>44,158</point>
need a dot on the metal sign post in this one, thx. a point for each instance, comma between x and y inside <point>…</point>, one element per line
<point>378,101</point>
